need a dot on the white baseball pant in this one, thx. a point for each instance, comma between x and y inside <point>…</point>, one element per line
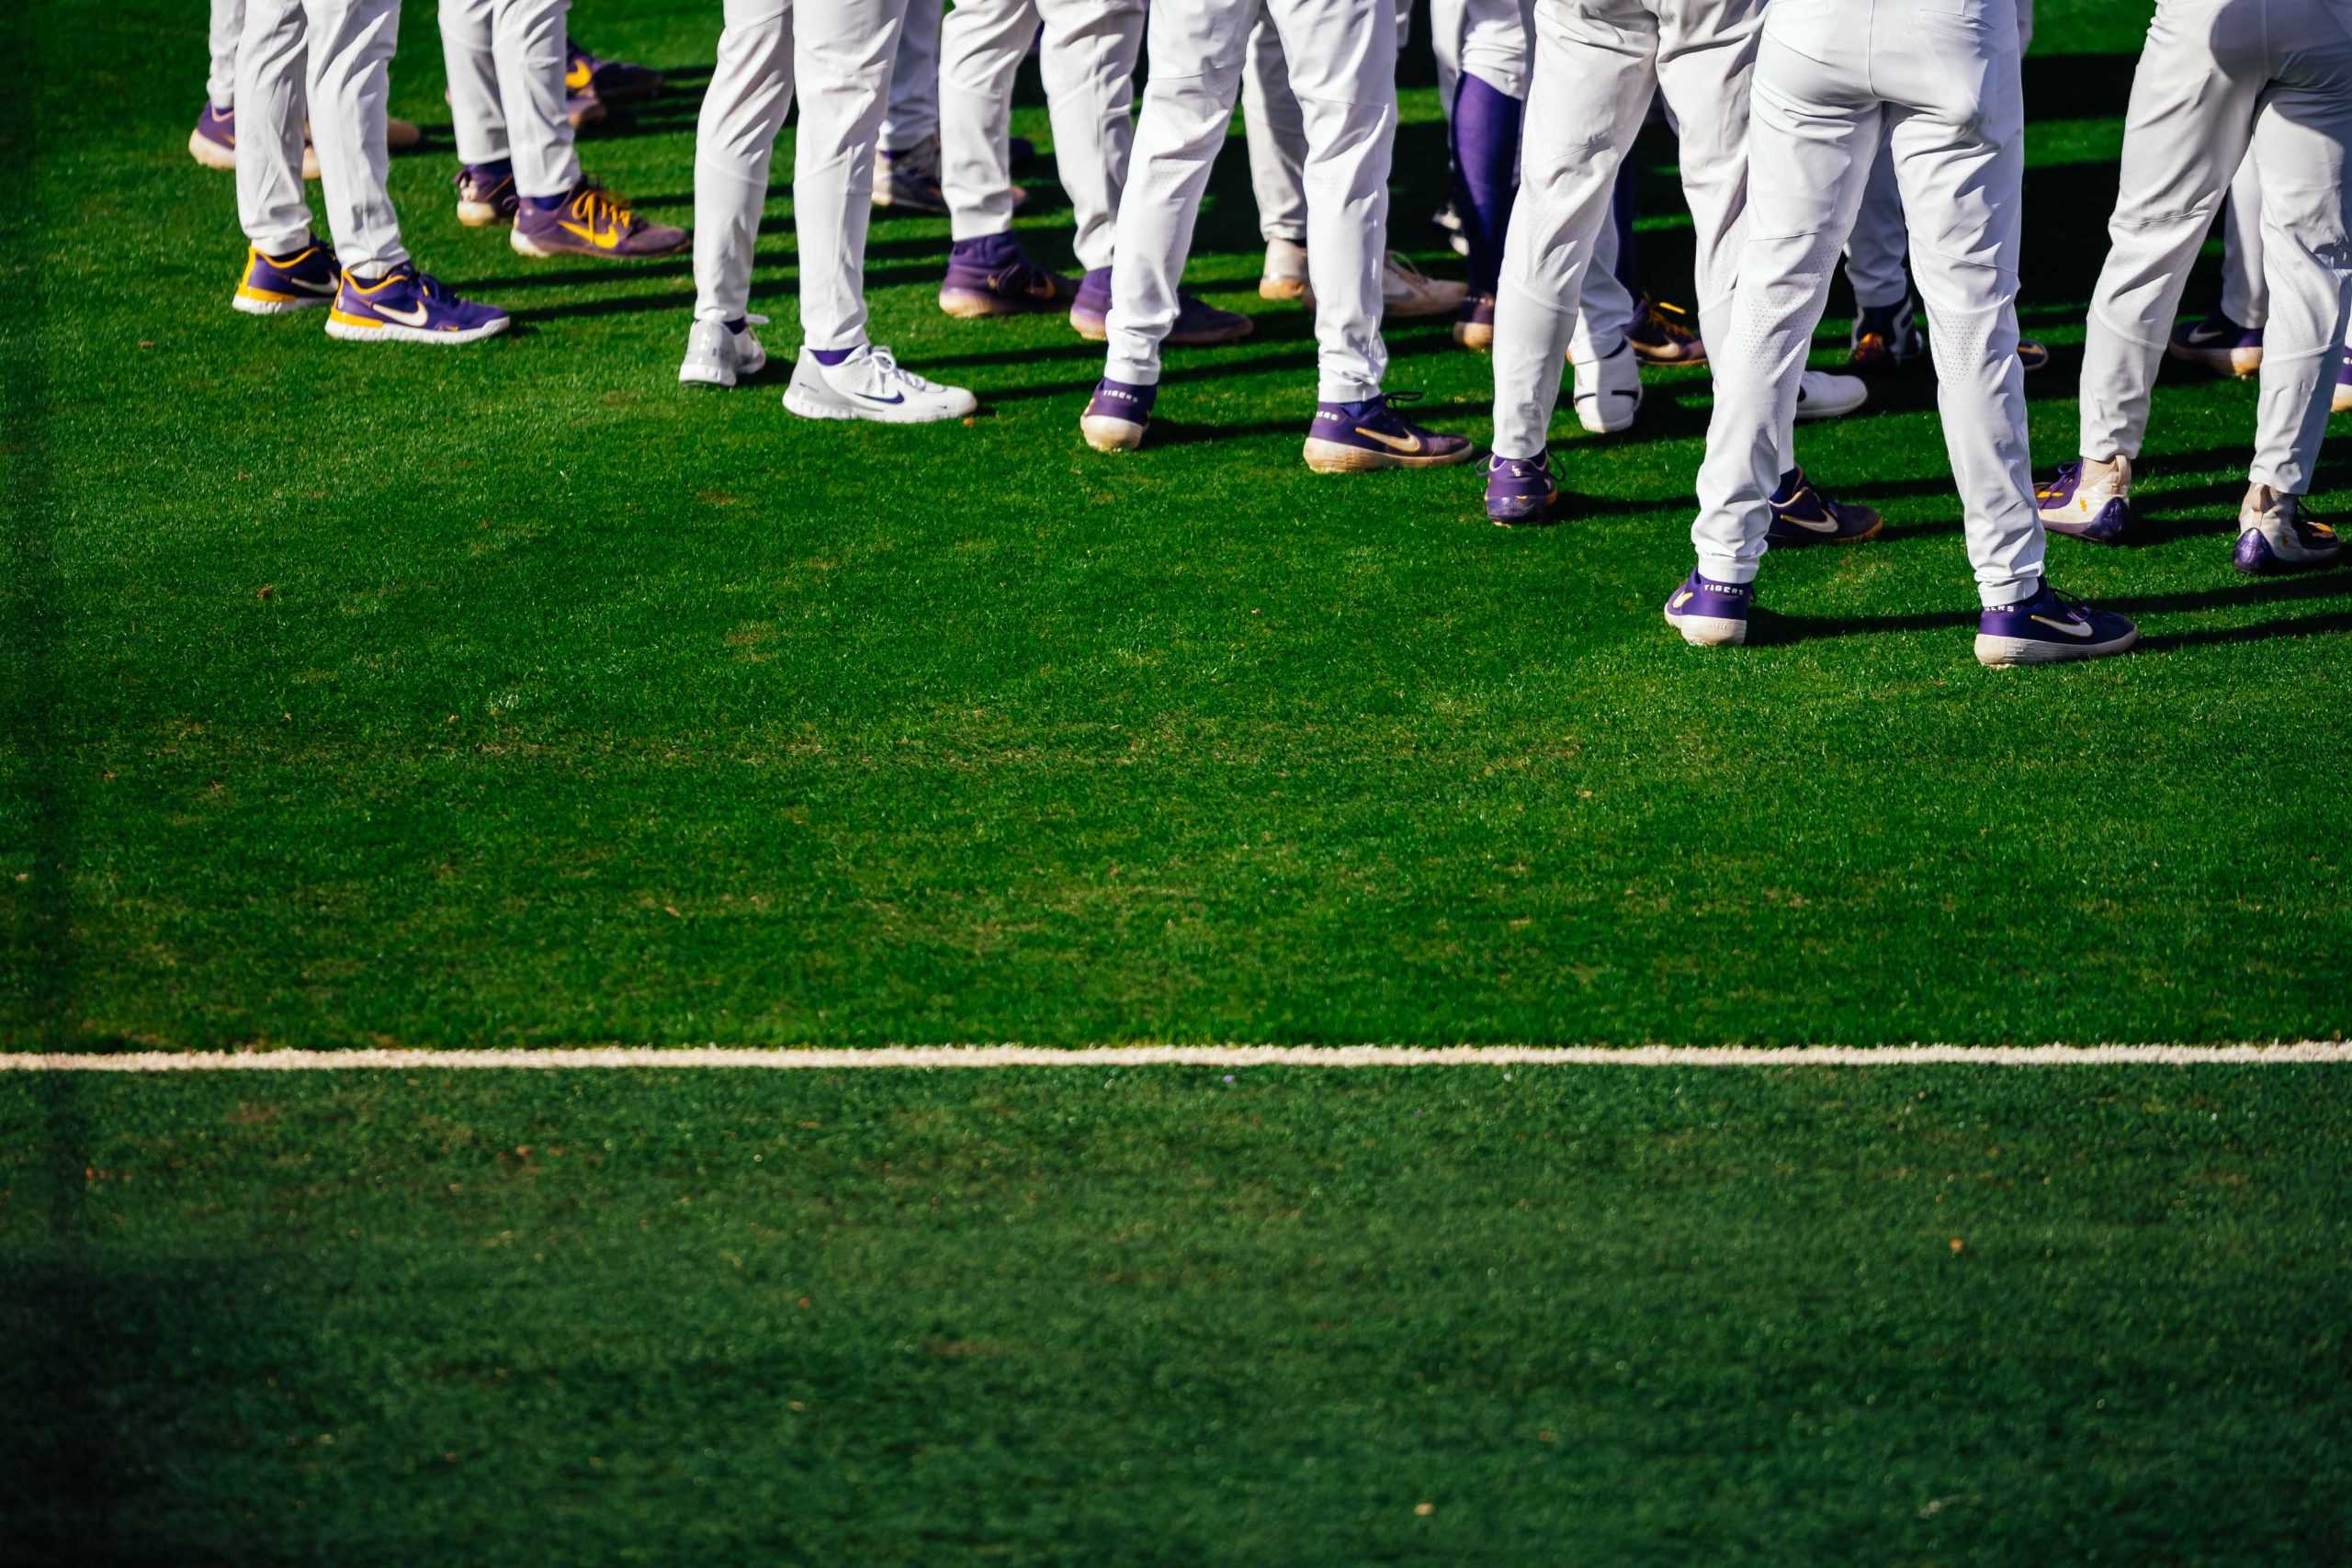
<point>1275,132</point>
<point>1343,57</point>
<point>506,61</point>
<point>838,52</point>
<point>2245,297</point>
<point>1876,249</point>
<point>349,44</point>
<point>1938,78</point>
<point>2220,81</point>
<point>1088,67</point>
<point>1598,65</point>
<point>228,25</point>
<point>910,116</point>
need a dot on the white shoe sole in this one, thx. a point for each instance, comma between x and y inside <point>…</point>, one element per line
<point>704,373</point>
<point>2243,364</point>
<point>1282,289</point>
<point>910,412</point>
<point>253,307</point>
<point>1824,408</point>
<point>479,215</point>
<point>1709,631</point>
<point>2343,402</point>
<point>1621,419</point>
<point>391,332</point>
<point>211,153</point>
<point>2000,652</point>
<point>1107,434</point>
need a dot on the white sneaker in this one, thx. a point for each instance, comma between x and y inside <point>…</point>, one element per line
<point>870,385</point>
<point>1284,276</point>
<point>1608,390</point>
<point>717,357</point>
<point>1821,395</point>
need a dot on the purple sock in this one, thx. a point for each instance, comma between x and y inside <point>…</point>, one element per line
<point>989,251</point>
<point>545,203</point>
<point>829,357</point>
<point>1486,147</point>
<point>497,168</point>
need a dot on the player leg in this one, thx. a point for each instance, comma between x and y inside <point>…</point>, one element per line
<point>2229,340</point>
<point>1604,367</point>
<point>559,213</point>
<point>841,52</point>
<point>2300,139</point>
<point>981,48</point>
<point>1276,139</point>
<point>287,268</point>
<point>1886,333</point>
<point>2184,132</point>
<point>1594,74</point>
<point>213,142</point>
<point>1489,105</point>
<point>742,110</point>
<point>485,178</point>
<point>906,161</point>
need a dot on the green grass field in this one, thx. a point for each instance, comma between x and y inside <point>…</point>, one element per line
<point>515,696</point>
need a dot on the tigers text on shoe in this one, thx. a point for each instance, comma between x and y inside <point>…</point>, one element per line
<point>1710,614</point>
<point>1521,490</point>
<point>2050,627</point>
<point>719,355</point>
<point>305,279</point>
<point>1607,391</point>
<point>1118,415</point>
<point>592,221</point>
<point>1802,515</point>
<point>870,384</point>
<point>1357,437</point>
<point>2276,535</point>
<point>2087,501</point>
<point>409,306</point>
<point>2219,344</point>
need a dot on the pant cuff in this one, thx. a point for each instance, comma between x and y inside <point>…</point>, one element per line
<point>1345,390</point>
<point>1130,371</point>
<point>1726,568</point>
<point>2009,591</point>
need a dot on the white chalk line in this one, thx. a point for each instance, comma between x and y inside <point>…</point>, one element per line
<point>929,1057</point>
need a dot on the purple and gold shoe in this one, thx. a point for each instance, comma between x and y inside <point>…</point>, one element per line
<point>2275,534</point>
<point>1354,438</point>
<point>1802,515</point>
<point>1116,417</point>
<point>1474,323</point>
<point>2098,508</point>
<point>1521,490</point>
<point>407,306</point>
<point>2048,628</point>
<point>1710,614</point>
<point>2219,344</point>
<point>213,142</point>
<point>1886,337</point>
<point>486,196</point>
<point>2032,355</point>
<point>584,110</point>
<point>1664,334</point>
<point>1199,324</point>
<point>610,81</point>
<point>276,286</point>
<point>592,221</point>
<point>991,277</point>
<point>2342,402</point>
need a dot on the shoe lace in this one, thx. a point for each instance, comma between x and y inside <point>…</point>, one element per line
<point>887,369</point>
<point>1403,268</point>
<point>591,202</point>
<point>1385,405</point>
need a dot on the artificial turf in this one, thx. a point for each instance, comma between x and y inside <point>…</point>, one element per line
<point>516,697</point>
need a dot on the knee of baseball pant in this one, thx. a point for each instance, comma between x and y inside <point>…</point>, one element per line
<point>2308,216</point>
<point>1200,107</point>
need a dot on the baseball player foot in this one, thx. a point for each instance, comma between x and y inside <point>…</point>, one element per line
<point>2342,401</point>
<point>908,177</point>
<point>485,195</point>
<point>2032,355</point>
<point>2219,344</point>
<point>1821,395</point>
<point>1802,515</point>
<point>1710,614</point>
<point>584,110</point>
<point>2275,534</point>
<point>1116,416</point>
<point>213,142</point>
<point>1449,223</point>
<point>304,279</point>
<point>592,221</point>
<point>1607,391</point>
<point>1348,438</point>
<point>1886,337</point>
<point>720,354</point>
<point>867,383</point>
<point>1474,323</point>
<point>609,80</point>
<point>1198,324</point>
<point>2091,500</point>
<point>993,277</point>
<point>2048,629</point>
<point>1284,275</point>
<point>1520,490</point>
<point>407,306</point>
<point>1664,334</point>
<point>1405,291</point>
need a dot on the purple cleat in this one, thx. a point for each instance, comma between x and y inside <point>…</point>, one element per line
<point>1802,515</point>
<point>213,142</point>
<point>1521,490</point>
<point>1710,614</point>
<point>1116,416</point>
<point>2096,507</point>
<point>1474,323</point>
<point>2342,402</point>
<point>609,80</point>
<point>592,221</point>
<point>486,195</point>
<point>1357,437</point>
<point>992,276</point>
<point>2048,628</point>
<point>2219,344</point>
<point>407,306</point>
<point>2275,534</point>
<point>275,286</point>
<point>1198,323</point>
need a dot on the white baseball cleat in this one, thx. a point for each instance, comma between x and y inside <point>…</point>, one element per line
<point>1608,390</point>
<point>870,384</point>
<point>717,357</point>
<point>1821,395</point>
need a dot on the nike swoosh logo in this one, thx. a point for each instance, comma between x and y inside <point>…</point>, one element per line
<point>1827,526</point>
<point>893,398</point>
<point>604,241</point>
<point>2200,334</point>
<point>416,317</point>
<point>1408,445</point>
<point>1682,599</point>
<point>2071,628</point>
<point>307,287</point>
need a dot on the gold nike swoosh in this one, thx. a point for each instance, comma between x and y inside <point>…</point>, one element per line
<point>604,241</point>
<point>1682,598</point>
<point>415,317</point>
<point>578,78</point>
<point>1408,445</point>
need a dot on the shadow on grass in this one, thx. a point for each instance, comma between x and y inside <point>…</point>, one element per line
<point>1773,629</point>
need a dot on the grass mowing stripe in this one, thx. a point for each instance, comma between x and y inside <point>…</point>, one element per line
<point>2304,1052</point>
